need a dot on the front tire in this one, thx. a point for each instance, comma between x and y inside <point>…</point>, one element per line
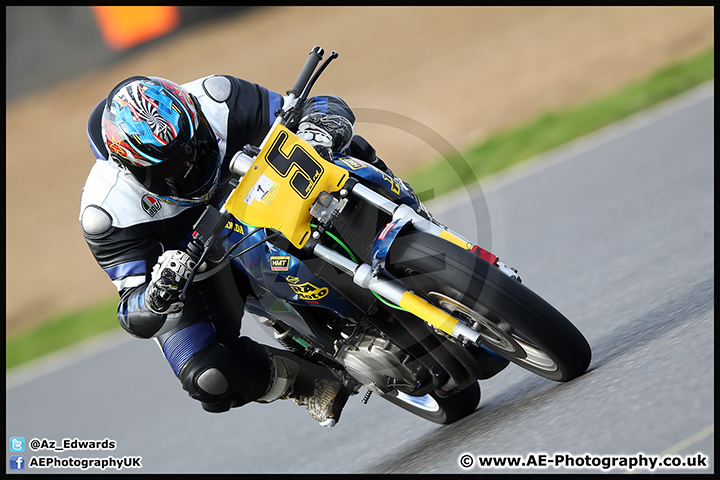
<point>513,321</point>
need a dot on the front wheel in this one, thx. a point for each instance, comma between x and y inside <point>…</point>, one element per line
<point>437,409</point>
<point>512,320</point>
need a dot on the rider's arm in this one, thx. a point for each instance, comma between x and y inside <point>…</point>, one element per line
<point>328,104</point>
<point>127,231</point>
<point>127,255</point>
<point>242,112</point>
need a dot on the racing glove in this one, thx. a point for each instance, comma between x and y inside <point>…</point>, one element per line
<point>168,279</point>
<point>325,133</point>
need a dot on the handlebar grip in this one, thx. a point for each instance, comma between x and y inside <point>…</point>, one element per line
<point>194,249</point>
<point>313,59</point>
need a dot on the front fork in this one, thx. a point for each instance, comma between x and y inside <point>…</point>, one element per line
<point>364,276</point>
<point>371,278</point>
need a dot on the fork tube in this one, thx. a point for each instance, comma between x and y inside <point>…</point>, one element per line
<point>363,276</point>
<point>387,206</point>
<point>335,259</point>
<point>403,211</point>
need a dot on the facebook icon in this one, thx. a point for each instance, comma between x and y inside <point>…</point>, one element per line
<point>17,462</point>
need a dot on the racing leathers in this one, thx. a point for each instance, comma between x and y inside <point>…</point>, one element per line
<point>128,229</point>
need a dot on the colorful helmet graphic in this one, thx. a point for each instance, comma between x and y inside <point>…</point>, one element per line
<point>155,129</point>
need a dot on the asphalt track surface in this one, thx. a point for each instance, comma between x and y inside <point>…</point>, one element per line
<point>615,230</point>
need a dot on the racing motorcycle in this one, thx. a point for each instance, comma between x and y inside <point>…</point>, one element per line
<point>349,270</point>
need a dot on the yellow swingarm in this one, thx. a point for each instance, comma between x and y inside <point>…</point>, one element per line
<point>282,184</point>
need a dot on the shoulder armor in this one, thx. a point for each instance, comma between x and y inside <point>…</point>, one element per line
<point>217,87</point>
<point>95,221</point>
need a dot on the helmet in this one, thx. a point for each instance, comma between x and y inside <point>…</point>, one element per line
<point>156,130</point>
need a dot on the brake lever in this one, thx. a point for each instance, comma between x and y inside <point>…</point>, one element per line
<point>316,75</point>
<point>291,116</point>
<point>209,227</point>
<point>206,246</point>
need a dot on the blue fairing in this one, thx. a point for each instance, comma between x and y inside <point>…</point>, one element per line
<point>391,185</point>
<point>384,240</point>
<point>279,272</point>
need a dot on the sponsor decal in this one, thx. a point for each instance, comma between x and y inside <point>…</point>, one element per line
<point>263,191</point>
<point>235,227</point>
<point>151,205</point>
<point>307,291</point>
<point>394,185</point>
<point>385,230</point>
<point>279,264</point>
<point>352,163</point>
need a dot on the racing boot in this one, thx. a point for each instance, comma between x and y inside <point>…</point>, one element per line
<point>309,385</point>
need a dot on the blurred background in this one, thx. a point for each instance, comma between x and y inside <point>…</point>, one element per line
<point>464,72</point>
<point>46,45</point>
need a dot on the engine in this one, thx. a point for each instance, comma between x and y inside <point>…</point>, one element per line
<point>380,365</point>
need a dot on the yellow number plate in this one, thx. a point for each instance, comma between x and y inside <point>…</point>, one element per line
<point>282,184</point>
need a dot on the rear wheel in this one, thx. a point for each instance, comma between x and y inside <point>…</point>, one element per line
<point>442,410</point>
<point>512,320</point>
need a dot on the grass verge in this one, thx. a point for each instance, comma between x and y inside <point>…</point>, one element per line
<point>553,129</point>
<point>505,148</point>
<point>60,332</point>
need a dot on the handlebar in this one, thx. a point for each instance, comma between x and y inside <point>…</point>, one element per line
<point>212,221</point>
<point>314,78</point>
<point>314,58</point>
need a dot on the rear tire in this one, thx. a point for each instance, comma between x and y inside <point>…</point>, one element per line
<point>442,410</point>
<point>512,320</point>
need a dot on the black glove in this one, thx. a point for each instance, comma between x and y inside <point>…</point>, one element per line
<point>325,133</point>
<point>168,279</point>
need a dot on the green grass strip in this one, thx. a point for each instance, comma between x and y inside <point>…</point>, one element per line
<point>61,331</point>
<point>506,148</point>
<point>553,129</point>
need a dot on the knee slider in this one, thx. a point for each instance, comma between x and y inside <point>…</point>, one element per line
<point>236,371</point>
<point>206,375</point>
<point>212,381</point>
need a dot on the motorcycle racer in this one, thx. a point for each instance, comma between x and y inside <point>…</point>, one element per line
<point>163,153</point>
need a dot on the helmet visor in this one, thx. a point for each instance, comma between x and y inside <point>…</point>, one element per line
<point>190,174</point>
